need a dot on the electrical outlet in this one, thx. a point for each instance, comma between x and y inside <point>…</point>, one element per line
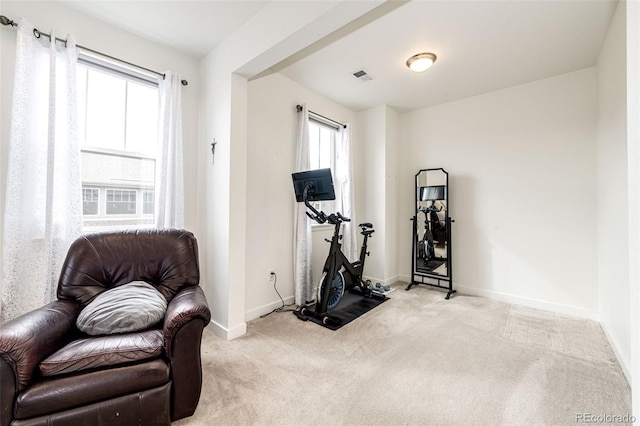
<point>272,276</point>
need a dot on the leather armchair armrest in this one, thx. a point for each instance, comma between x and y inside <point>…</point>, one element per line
<point>186,317</point>
<point>187,305</point>
<point>26,340</point>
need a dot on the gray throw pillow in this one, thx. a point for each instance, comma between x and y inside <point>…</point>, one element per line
<point>129,307</point>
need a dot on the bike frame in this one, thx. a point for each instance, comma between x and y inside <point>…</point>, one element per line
<point>335,262</point>
<point>336,259</point>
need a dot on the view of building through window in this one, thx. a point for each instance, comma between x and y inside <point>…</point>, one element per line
<point>322,154</point>
<point>118,133</point>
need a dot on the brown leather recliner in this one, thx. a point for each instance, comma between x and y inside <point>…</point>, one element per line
<point>150,387</point>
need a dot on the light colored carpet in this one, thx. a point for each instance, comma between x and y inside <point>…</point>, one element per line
<point>417,359</point>
<point>568,335</point>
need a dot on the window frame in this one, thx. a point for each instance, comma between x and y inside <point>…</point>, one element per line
<point>93,189</point>
<point>104,220</point>
<point>334,205</point>
<point>144,193</point>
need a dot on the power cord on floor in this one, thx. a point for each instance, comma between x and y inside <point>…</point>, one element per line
<point>281,308</point>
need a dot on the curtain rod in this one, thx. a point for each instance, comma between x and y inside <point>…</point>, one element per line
<point>37,34</point>
<point>299,108</point>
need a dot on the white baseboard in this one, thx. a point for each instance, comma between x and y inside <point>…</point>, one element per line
<point>265,309</point>
<point>472,291</point>
<point>228,333</point>
<point>387,281</point>
<point>532,303</point>
<point>621,360</point>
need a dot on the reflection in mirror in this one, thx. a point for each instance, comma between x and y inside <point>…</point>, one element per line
<point>431,222</point>
<point>431,251</point>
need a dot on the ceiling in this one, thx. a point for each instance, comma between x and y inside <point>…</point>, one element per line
<point>191,26</point>
<point>481,45</point>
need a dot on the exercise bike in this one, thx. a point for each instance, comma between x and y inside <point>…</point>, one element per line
<point>431,225</point>
<point>339,275</point>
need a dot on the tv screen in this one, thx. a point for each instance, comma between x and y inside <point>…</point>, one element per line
<point>432,193</point>
<point>320,185</point>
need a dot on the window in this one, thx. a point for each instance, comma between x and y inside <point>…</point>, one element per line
<point>321,145</point>
<point>148,202</point>
<point>322,154</point>
<point>121,202</point>
<point>118,133</point>
<point>90,201</point>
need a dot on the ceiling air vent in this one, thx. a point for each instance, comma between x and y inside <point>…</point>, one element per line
<point>362,75</point>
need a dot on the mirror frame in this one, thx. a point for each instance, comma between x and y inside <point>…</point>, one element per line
<point>421,276</point>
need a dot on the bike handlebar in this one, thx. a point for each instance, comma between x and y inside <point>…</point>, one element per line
<point>319,219</point>
<point>342,218</point>
<point>320,216</point>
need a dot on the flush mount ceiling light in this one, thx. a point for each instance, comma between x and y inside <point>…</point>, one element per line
<point>421,61</point>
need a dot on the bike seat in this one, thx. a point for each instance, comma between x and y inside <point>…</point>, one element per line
<point>365,225</point>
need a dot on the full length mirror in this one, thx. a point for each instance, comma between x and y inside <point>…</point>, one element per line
<point>432,234</point>
<point>431,222</point>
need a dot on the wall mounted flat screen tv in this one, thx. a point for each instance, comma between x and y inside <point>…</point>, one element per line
<point>320,185</point>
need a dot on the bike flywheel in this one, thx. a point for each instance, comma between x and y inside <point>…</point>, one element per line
<point>337,290</point>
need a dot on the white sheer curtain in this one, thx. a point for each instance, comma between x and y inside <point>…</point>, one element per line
<point>344,178</point>
<point>43,200</point>
<point>169,167</point>
<point>303,287</point>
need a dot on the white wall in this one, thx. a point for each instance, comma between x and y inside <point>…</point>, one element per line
<point>612,206</point>
<point>633,161</point>
<point>376,178</point>
<point>521,165</point>
<point>223,266</point>
<point>393,221</point>
<point>271,149</point>
<point>369,186</point>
